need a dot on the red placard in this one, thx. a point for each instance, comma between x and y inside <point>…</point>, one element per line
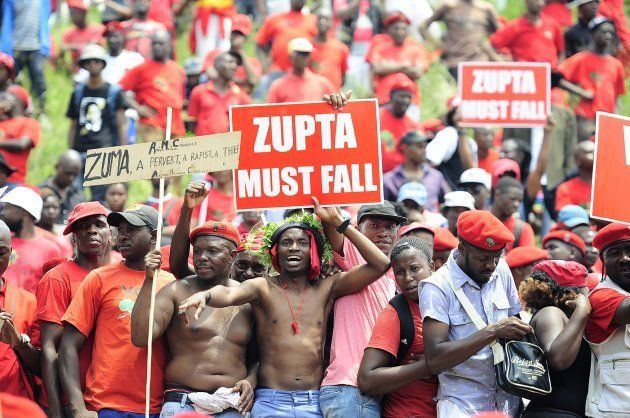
<point>508,94</point>
<point>610,199</point>
<point>292,151</point>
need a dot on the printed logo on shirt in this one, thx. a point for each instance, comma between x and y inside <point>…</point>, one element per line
<point>128,299</point>
<point>13,258</point>
<point>548,34</point>
<point>160,84</point>
<point>91,114</point>
<point>595,77</point>
<point>387,139</point>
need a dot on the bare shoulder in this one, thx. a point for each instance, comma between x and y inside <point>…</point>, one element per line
<point>549,315</point>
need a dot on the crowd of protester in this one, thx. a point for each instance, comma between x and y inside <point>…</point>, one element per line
<point>321,311</point>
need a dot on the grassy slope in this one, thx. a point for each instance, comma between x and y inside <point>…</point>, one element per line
<point>437,87</point>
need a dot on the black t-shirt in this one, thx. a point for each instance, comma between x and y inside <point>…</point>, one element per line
<point>95,128</point>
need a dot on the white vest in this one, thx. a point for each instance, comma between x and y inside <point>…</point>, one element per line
<point>609,381</point>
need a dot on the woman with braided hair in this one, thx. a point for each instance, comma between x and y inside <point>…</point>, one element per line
<point>555,293</point>
<point>392,365</point>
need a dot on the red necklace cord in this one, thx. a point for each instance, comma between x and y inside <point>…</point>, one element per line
<point>294,324</point>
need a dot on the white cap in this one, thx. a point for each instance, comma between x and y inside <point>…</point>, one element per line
<point>26,199</point>
<point>459,199</point>
<point>476,175</point>
<point>299,45</point>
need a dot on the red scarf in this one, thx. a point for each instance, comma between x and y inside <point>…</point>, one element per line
<point>313,273</point>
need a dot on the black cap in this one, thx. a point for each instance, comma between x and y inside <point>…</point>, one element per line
<point>6,166</point>
<point>384,210</point>
<point>137,215</point>
<point>414,137</point>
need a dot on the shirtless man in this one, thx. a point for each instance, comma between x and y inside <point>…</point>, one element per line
<point>210,353</point>
<point>291,309</point>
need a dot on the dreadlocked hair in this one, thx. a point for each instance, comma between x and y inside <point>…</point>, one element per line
<point>539,291</point>
<point>412,243</point>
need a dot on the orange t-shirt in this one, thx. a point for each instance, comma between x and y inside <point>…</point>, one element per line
<point>602,74</point>
<point>573,192</point>
<point>330,59</point>
<point>278,29</point>
<point>410,52</point>
<point>75,39</point>
<point>486,163</point>
<point>116,375</point>
<point>211,109</point>
<point>22,304</point>
<point>293,88</point>
<point>527,238</point>
<point>415,399</point>
<point>158,85</point>
<point>16,128</point>
<point>54,293</point>
<point>27,261</point>
<point>392,129</point>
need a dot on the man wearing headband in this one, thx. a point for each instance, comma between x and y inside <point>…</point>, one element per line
<point>209,354</point>
<point>291,309</point>
<point>608,327</point>
<point>454,349</point>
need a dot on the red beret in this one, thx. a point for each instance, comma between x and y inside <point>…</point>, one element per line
<point>483,230</point>
<point>112,27</point>
<point>568,237</point>
<point>522,256</point>
<point>402,82</point>
<point>217,229</point>
<point>444,240</point>
<point>396,17</point>
<point>502,166</point>
<point>565,273</point>
<point>611,234</point>
<point>414,226</point>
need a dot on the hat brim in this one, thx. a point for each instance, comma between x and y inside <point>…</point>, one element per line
<point>82,61</point>
<point>116,218</point>
<point>192,237</point>
<point>395,218</point>
<point>572,223</point>
<point>68,229</point>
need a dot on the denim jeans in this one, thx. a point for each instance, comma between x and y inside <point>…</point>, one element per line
<point>34,63</point>
<point>110,413</point>
<point>342,401</point>
<point>286,404</point>
<point>172,409</point>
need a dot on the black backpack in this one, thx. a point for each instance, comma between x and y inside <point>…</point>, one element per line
<point>407,330</point>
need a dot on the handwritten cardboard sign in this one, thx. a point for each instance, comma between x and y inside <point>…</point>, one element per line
<point>515,94</point>
<point>610,199</point>
<point>162,159</point>
<point>292,151</point>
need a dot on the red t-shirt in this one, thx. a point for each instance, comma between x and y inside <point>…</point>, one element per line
<point>62,242</point>
<point>411,52</point>
<point>392,129</point>
<point>573,192</point>
<point>158,85</point>
<point>54,293</point>
<point>16,128</point>
<point>240,78</point>
<point>305,88</point>
<point>161,11</point>
<point>416,398</point>
<point>218,207</point>
<point>330,59</point>
<point>27,261</point>
<point>486,163</point>
<point>211,109</point>
<point>116,376</point>
<point>604,304</point>
<point>278,29</point>
<point>602,74</point>
<point>138,35</point>
<point>527,239</point>
<point>527,42</point>
<point>75,39</point>
<point>22,304</point>
<point>559,12</point>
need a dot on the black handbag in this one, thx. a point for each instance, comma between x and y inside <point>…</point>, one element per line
<point>524,371</point>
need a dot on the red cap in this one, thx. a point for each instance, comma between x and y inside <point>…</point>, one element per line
<point>7,61</point>
<point>221,229</point>
<point>82,211</point>
<point>483,230</point>
<point>241,23</point>
<point>565,273</point>
<point>414,226</point>
<point>112,27</point>
<point>522,256</point>
<point>444,240</point>
<point>396,17</point>
<point>611,234</point>
<point>77,4</point>
<point>592,280</point>
<point>568,237</point>
<point>502,166</point>
<point>20,93</point>
<point>402,82</point>
<point>16,407</point>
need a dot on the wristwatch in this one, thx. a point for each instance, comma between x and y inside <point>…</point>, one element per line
<point>24,339</point>
<point>344,225</point>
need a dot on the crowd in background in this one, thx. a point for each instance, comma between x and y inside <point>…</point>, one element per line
<point>502,213</point>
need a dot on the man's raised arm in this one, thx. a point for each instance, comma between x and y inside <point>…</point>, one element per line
<point>180,247</point>
<point>224,296</point>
